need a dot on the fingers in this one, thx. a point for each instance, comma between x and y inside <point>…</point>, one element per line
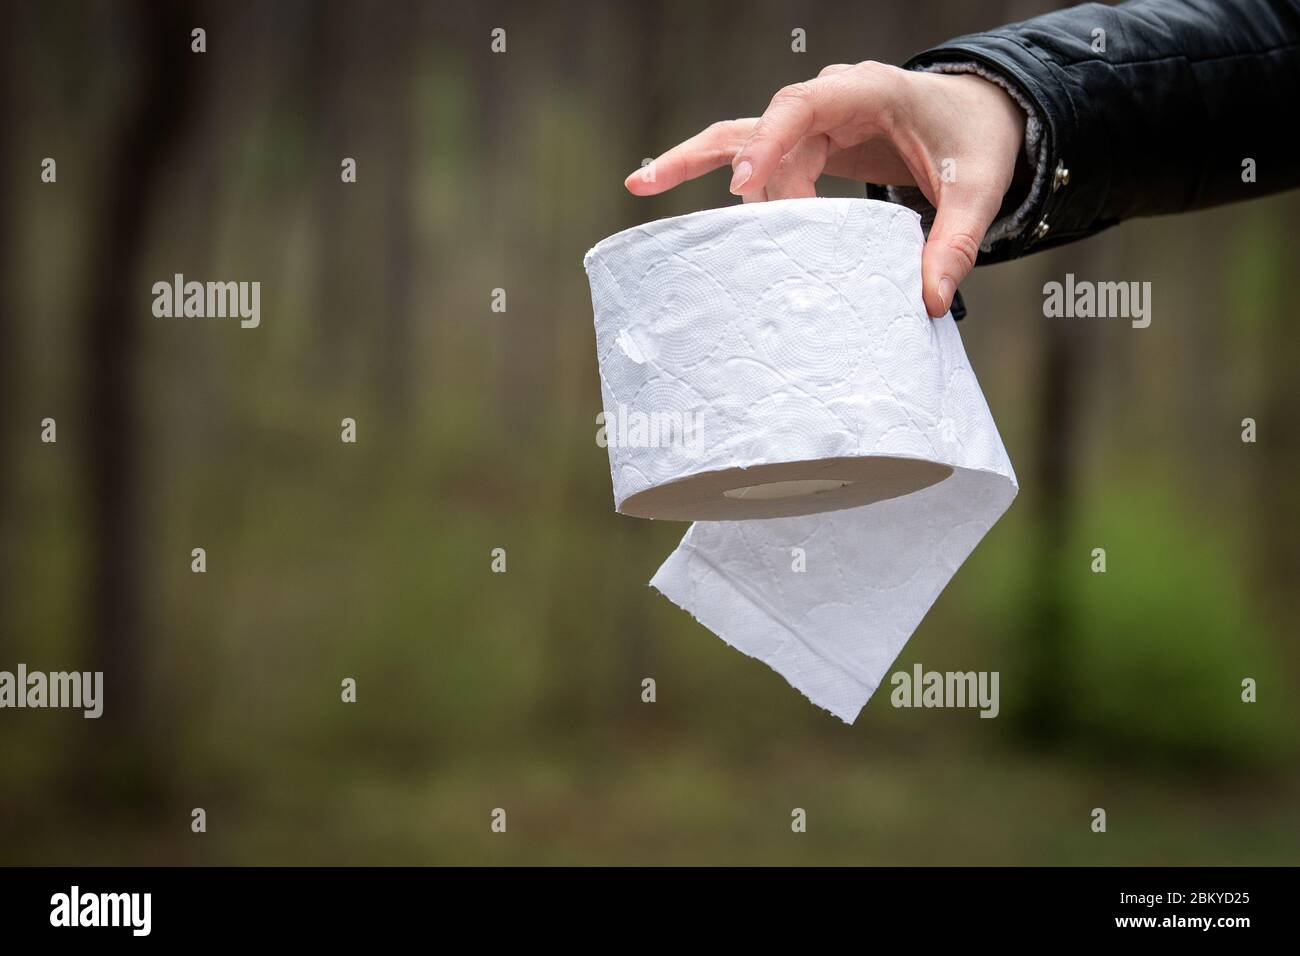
<point>844,106</point>
<point>856,98</point>
<point>959,226</point>
<point>797,174</point>
<point>798,171</point>
<point>702,153</point>
<point>791,115</point>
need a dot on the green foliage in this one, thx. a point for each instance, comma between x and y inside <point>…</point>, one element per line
<point>1165,637</point>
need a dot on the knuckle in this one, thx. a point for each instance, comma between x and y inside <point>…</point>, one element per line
<point>721,155</point>
<point>834,68</point>
<point>724,138</point>
<point>881,74</point>
<point>966,246</point>
<point>794,93</point>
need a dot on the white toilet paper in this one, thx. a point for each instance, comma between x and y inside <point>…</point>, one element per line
<point>769,369</point>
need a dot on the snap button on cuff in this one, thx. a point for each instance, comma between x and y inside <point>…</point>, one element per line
<point>1061,177</point>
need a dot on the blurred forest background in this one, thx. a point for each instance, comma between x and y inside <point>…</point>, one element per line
<point>476,431</point>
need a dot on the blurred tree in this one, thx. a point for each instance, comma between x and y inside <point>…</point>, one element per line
<point>9,428</point>
<point>325,66</point>
<point>1047,621</point>
<point>393,368</point>
<point>1277,449</point>
<point>145,136</point>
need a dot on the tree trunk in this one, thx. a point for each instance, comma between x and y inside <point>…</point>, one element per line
<point>10,429</point>
<point>115,300</point>
<point>394,365</point>
<point>1047,623</point>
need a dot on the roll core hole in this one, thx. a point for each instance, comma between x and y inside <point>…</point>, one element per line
<point>797,488</point>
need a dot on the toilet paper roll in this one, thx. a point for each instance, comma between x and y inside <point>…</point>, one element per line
<point>769,372</point>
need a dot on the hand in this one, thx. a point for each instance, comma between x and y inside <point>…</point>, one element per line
<point>877,124</point>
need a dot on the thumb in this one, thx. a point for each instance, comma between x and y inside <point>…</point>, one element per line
<point>955,237</point>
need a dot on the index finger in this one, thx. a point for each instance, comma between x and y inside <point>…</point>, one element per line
<point>707,150</point>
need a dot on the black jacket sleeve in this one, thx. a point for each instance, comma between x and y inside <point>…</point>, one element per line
<point>1161,111</point>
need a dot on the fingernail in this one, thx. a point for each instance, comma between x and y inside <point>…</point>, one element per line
<point>741,176</point>
<point>946,288</point>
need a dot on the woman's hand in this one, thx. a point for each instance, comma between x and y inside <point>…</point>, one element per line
<point>955,137</point>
